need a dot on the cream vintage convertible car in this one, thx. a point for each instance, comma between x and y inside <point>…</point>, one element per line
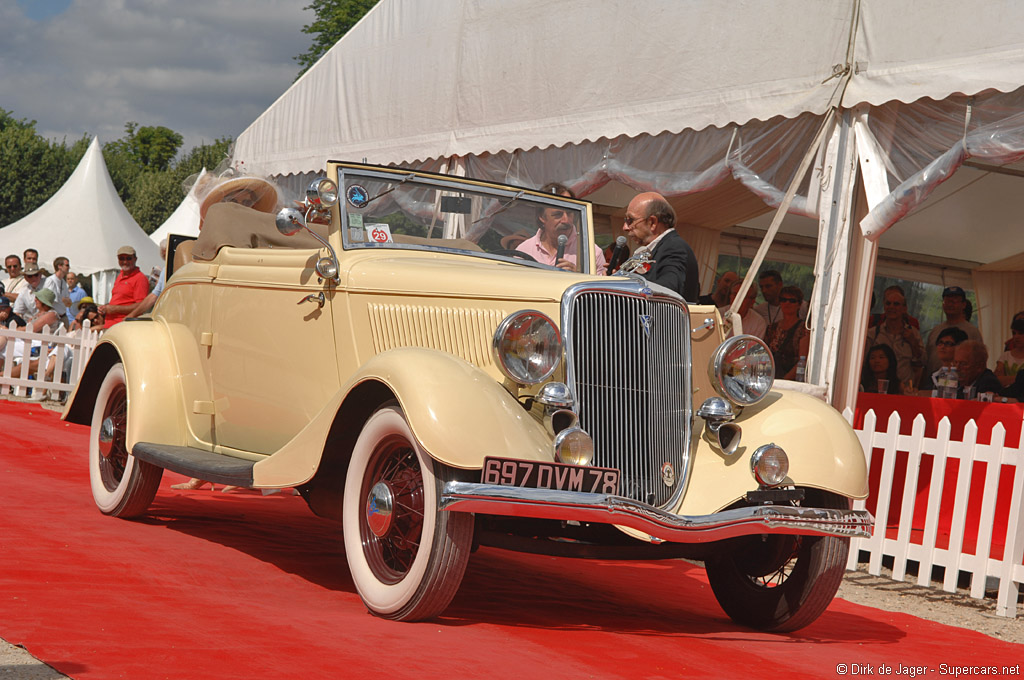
<point>385,352</point>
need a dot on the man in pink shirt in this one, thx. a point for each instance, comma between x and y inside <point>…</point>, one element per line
<point>555,222</point>
<point>130,287</point>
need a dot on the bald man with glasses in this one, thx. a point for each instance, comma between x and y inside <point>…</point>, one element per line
<point>650,222</point>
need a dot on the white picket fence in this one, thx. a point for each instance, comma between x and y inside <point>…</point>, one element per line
<point>15,379</point>
<point>965,453</point>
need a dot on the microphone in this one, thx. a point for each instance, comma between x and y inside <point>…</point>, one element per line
<point>618,254</point>
<point>560,253</point>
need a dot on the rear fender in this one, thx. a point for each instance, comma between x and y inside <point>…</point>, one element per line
<point>154,402</point>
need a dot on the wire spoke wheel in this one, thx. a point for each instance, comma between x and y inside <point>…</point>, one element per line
<point>114,459</point>
<point>781,582</point>
<point>405,555</point>
<point>391,556</point>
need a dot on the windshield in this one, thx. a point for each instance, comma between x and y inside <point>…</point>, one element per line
<point>402,209</point>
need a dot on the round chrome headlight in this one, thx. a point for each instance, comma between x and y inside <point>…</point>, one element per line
<point>742,370</point>
<point>322,192</point>
<point>770,465</point>
<point>527,347</point>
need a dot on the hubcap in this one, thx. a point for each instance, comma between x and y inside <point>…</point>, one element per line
<point>392,521</point>
<point>106,436</point>
<point>380,506</point>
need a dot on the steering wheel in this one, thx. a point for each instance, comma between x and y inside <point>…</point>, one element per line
<point>514,253</point>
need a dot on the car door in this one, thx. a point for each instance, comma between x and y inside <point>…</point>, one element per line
<point>272,361</point>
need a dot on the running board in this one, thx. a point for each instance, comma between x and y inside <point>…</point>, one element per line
<point>211,467</point>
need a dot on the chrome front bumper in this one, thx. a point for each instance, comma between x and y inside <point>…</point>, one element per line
<point>606,509</point>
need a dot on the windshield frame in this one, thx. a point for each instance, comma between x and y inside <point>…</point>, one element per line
<point>345,174</point>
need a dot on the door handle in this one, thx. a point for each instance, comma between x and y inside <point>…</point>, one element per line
<point>318,298</point>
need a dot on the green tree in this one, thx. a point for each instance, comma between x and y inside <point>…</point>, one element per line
<point>141,165</point>
<point>154,196</point>
<point>31,168</point>
<point>334,18</point>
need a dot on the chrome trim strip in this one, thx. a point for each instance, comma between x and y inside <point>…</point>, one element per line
<point>514,501</point>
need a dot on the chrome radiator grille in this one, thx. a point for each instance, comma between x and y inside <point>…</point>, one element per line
<point>629,366</point>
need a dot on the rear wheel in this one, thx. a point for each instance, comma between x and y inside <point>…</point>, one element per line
<point>781,583</point>
<point>406,557</point>
<point>122,485</point>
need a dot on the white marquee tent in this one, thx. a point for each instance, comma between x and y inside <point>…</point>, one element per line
<point>714,104</point>
<point>86,222</point>
<point>185,218</point>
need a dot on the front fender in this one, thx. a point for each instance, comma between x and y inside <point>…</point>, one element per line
<point>153,386</point>
<point>823,450</point>
<point>457,412</point>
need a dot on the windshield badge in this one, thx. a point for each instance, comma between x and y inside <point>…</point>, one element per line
<point>645,321</point>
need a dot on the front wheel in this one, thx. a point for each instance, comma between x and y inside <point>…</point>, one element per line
<point>122,485</point>
<point>406,557</point>
<point>781,583</point>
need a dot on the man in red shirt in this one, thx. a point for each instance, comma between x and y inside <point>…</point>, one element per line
<point>130,287</point>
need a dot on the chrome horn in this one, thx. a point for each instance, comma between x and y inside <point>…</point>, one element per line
<point>723,434</point>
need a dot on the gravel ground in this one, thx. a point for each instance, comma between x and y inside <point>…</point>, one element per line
<point>951,609</point>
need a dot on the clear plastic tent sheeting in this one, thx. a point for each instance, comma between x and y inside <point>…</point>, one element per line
<point>921,145</point>
<point>762,155</point>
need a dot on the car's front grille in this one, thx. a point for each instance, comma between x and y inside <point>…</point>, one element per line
<point>628,365</point>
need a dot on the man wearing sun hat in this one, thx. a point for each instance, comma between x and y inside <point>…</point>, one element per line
<point>25,305</point>
<point>130,287</point>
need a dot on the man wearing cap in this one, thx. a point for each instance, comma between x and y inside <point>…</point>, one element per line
<point>957,309</point>
<point>25,305</point>
<point>7,315</point>
<point>130,287</point>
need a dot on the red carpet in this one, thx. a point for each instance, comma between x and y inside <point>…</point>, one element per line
<point>239,586</point>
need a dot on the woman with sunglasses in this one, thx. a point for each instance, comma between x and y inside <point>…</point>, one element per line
<point>945,344</point>
<point>786,336</point>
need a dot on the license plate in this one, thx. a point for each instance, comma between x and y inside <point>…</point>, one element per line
<point>558,476</point>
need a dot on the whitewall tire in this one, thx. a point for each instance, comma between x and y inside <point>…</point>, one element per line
<point>406,557</point>
<point>122,485</point>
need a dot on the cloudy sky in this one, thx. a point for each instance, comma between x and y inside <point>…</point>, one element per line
<point>204,68</point>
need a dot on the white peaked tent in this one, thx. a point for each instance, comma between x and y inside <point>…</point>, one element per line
<point>185,218</point>
<point>86,222</point>
<point>716,104</point>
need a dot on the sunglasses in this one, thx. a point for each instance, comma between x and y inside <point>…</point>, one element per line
<point>789,299</point>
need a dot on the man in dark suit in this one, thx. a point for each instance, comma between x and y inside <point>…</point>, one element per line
<point>650,222</point>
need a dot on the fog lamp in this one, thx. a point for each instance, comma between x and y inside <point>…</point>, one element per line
<point>573,446</point>
<point>770,465</point>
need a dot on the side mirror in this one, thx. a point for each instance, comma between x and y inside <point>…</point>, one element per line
<point>289,221</point>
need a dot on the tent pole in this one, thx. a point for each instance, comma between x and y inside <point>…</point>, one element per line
<point>762,251</point>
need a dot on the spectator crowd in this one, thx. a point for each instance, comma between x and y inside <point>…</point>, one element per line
<point>36,300</point>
